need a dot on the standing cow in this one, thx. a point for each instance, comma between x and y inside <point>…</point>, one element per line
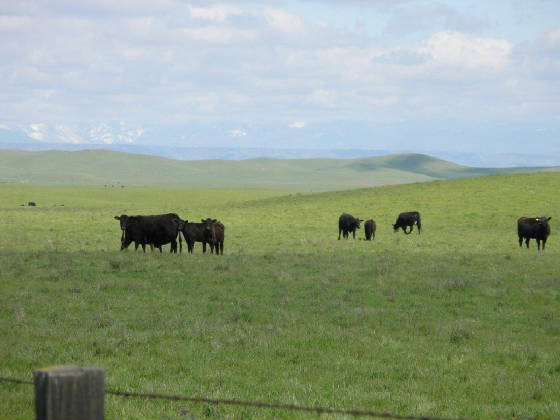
<point>194,232</point>
<point>154,230</point>
<point>214,232</point>
<point>408,219</point>
<point>369,228</point>
<point>348,223</point>
<point>533,227</point>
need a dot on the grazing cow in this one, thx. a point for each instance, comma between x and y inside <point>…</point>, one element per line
<point>369,228</point>
<point>348,223</point>
<point>194,232</point>
<point>214,232</point>
<point>408,219</point>
<point>32,204</point>
<point>533,227</point>
<point>155,230</point>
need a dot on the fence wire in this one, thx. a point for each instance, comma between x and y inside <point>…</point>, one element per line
<point>254,404</point>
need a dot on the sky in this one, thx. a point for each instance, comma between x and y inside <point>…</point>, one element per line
<point>379,74</point>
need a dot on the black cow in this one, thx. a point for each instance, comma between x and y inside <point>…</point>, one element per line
<point>31,204</point>
<point>214,232</point>
<point>533,227</point>
<point>137,241</point>
<point>348,223</point>
<point>155,230</point>
<point>194,232</point>
<point>408,219</point>
<point>369,228</point>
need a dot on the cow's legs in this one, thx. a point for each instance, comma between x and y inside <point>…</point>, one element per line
<point>538,244</point>
<point>339,230</point>
<point>354,234</point>
<point>204,247</point>
<point>520,241</point>
<point>527,242</point>
<point>410,231</point>
<point>543,242</point>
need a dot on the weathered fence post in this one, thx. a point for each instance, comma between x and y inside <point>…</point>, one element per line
<point>69,392</point>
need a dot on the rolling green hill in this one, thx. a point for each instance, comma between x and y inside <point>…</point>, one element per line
<point>101,167</point>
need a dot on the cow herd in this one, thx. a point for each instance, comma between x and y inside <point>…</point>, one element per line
<point>348,223</point>
<point>161,229</point>
<point>527,227</point>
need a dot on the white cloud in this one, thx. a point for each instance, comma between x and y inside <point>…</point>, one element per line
<point>216,13</point>
<point>75,64</point>
<point>219,34</point>
<point>237,133</point>
<point>324,98</point>
<point>37,131</point>
<point>460,50</point>
<point>553,38</point>
<point>67,135</point>
<point>14,23</point>
<point>104,133</point>
<point>101,134</point>
<point>284,22</point>
<point>130,136</point>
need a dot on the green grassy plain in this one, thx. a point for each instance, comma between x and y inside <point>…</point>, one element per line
<point>103,167</point>
<point>456,322</point>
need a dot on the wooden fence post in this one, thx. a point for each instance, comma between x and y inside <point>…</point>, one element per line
<point>69,392</point>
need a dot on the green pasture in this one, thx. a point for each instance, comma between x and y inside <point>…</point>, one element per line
<point>457,322</point>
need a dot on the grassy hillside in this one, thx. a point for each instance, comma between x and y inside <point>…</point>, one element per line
<point>457,322</point>
<point>98,167</point>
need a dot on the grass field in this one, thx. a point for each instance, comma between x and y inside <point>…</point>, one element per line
<point>102,167</point>
<point>456,322</point>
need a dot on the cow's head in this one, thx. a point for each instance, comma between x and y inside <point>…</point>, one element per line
<point>395,227</point>
<point>123,218</point>
<point>208,225</point>
<point>543,221</point>
<point>357,222</point>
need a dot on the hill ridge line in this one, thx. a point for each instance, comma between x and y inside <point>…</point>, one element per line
<point>110,168</point>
